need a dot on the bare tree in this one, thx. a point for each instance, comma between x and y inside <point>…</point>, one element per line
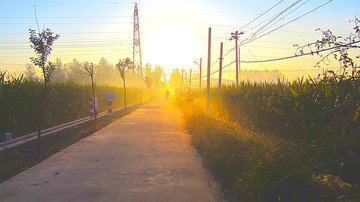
<point>88,69</point>
<point>122,65</point>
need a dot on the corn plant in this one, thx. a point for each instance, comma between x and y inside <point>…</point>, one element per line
<point>306,123</point>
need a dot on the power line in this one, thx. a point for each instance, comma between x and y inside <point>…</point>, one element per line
<point>285,58</point>
<point>68,33</point>
<point>305,54</point>
<point>68,17</point>
<point>254,57</point>
<point>272,19</point>
<point>291,21</point>
<point>260,15</point>
<point>285,16</point>
<point>63,23</point>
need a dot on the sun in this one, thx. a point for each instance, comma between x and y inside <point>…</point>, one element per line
<point>171,46</point>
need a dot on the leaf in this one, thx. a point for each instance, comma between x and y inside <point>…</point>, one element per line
<point>342,185</point>
<point>295,94</point>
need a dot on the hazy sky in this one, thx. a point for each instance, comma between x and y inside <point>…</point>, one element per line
<point>173,33</point>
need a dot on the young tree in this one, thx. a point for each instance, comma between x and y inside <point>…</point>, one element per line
<point>88,69</point>
<point>42,44</point>
<point>175,79</point>
<point>75,72</point>
<point>148,75</point>
<point>59,75</point>
<point>30,73</point>
<point>122,65</point>
<point>157,75</point>
<point>106,74</point>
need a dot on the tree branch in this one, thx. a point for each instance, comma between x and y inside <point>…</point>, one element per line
<point>317,167</point>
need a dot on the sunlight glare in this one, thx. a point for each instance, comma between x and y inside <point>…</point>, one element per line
<point>171,46</point>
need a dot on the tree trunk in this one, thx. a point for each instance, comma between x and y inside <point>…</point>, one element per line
<point>93,95</point>
<point>41,114</point>
<point>124,93</point>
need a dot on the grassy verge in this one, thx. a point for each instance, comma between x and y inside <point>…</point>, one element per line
<point>251,162</point>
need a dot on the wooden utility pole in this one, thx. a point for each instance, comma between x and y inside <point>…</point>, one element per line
<point>236,37</point>
<point>208,73</point>
<point>220,65</point>
<point>190,80</point>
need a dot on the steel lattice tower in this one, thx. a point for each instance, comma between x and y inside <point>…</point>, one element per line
<point>136,42</point>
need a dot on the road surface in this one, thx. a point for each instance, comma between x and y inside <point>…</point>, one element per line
<point>144,156</point>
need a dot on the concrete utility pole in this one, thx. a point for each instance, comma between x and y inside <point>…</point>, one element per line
<point>236,37</point>
<point>199,71</point>
<point>239,64</point>
<point>208,73</point>
<point>190,80</point>
<point>182,78</point>
<point>220,65</point>
<point>200,74</point>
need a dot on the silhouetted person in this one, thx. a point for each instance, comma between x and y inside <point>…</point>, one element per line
<point>167,94</point>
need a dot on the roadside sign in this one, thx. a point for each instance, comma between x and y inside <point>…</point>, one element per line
<point>109,96</point>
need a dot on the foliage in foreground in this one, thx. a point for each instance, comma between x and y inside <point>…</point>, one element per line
<point>257,134</point>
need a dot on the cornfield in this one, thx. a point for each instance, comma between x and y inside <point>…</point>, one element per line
<point>20,103</point>
<point>258,133</point>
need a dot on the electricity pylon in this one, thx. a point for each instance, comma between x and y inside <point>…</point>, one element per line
<point>136,42</point>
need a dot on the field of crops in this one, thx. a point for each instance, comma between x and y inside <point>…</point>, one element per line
<point>257,134</point>
<point>20,103</point>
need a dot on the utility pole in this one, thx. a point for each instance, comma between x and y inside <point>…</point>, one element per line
<point>164,79</point>
<point>236,37</point>
<point>208,73</point>
<point>220,65</point>
<point>186,78</point>
<point>239,64</point>
<point>182,78</point>
<point>190,79</point>
<point>200,74</point>
<point>199,71</point>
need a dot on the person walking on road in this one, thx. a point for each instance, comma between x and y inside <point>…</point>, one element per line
<point>167,94</point>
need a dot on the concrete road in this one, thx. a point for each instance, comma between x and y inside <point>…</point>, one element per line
<point>145,156</point>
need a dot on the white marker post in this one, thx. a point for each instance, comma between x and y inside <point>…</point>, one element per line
<point>96,109</point>
<point>109,97</point>
<point>91,109</point>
